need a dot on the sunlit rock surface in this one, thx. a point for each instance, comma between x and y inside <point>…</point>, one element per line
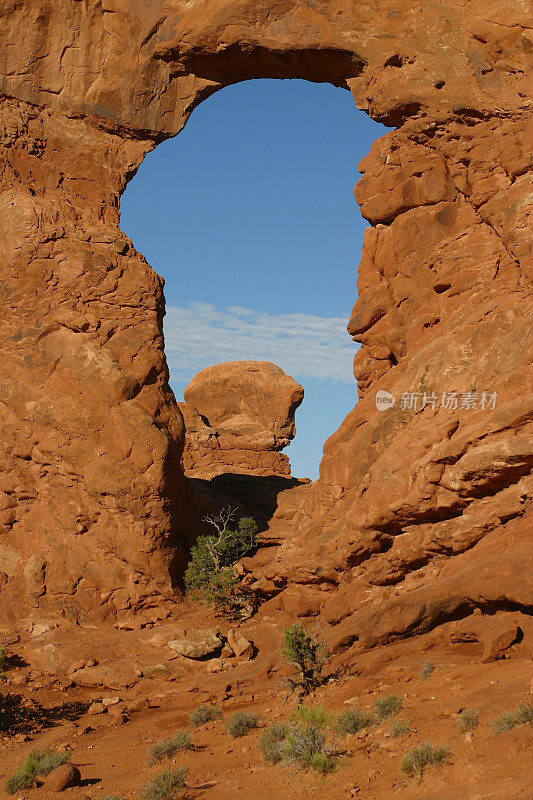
<point>420,515</point>
<point>238,416</point>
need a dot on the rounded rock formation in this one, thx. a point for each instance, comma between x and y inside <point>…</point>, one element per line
<point>237,416</point>
<point>63,777</point>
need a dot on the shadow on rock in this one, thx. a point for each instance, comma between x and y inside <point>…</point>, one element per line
<point>255,495</point>
<point>19,715</point>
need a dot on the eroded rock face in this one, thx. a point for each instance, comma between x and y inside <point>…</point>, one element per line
<point>237,416</point>
<point>426,505</point>
<point>419,515</point>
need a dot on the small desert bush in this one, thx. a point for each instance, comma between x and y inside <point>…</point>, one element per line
<point>240,723</point>
<point>321,762</point>
<point>313,715</point>
<point>426,670</point>
<point>272,742</point>
<point>166,748</point>
<point>400,727</point>
<point>386,707</point>
<point>167,785</point>
<point>416,760</point>
<point>307,653</point>
<point>307,746</point>
<point>203,714</point>
<point>3,661</point>
<point>468,720</point>
<point>39,763</point>
<point>306,742</point>
<point>522,714</point>
<point>354,720</point>
<point>504,722</point>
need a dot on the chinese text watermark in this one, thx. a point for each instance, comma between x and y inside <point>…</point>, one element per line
<point>451,401</point>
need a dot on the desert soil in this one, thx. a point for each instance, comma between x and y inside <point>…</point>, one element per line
<point>111,748</point>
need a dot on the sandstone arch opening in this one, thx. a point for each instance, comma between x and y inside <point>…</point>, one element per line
<point>93,510</point>
<point>249,216</point>
<point>420,525</point>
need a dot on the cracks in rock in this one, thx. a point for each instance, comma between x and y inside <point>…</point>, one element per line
<point>434,148</point>
<point>491,607</point>
<point>436,548</point>
<point>152,32</point>
<point>487,222</point>
<point>503,480</point>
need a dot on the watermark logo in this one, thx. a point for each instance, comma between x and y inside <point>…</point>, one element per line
<point>384,400</point>
<point>451,401</point>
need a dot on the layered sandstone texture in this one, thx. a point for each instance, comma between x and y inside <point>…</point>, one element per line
<point>238,416</point>
<point>420,514</point>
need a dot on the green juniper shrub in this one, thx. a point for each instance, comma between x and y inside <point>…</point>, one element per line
<point>210,575</point>
<point>386,707</point>
<point>400,727</point>
<point>203,714</point>
<point>166,785</point>
<point>468,720</point>
<point>354,720</point>
<point>272,742</point>
<point>416,760</point>
<point>38,764</point>
<point>223,593</point>
<point>426,670</point>
<point>522,714</point>
<point>240,723</point>
<point>307,653</point>
<point>166,748</point>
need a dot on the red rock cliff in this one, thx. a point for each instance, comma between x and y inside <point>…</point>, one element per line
<point>423,514</point>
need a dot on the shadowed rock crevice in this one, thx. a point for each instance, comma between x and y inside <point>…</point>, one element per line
<point>240,62</point>
<point>256,496</point>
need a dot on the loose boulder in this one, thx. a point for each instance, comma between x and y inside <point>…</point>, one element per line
<point>96,708</point>
<point>243,649</point>
<point>499,638</point>
<point>201,644</point>
<point>61,778</point>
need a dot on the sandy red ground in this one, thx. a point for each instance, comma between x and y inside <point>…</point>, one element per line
<point>112,756</point>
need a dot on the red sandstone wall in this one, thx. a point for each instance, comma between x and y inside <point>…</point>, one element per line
<point>93,513</point>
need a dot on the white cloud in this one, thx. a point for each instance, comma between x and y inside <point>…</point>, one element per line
<point>303,345</point>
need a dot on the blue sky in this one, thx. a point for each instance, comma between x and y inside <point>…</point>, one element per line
<point>250,218</point>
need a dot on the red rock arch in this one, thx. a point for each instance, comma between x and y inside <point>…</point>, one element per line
<point>91,508</point>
